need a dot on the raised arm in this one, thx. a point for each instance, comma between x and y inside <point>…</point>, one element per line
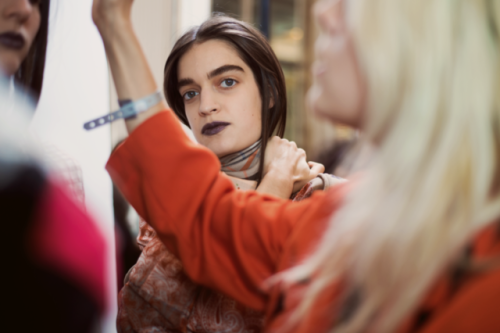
<point>130,70</point>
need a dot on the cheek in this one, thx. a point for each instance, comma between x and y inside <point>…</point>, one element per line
<point>193,119</point>
<point>254,115</point>
<point>337,91</point>
<point>33,24</point>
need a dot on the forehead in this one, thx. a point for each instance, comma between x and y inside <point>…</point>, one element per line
<point>204,57</point>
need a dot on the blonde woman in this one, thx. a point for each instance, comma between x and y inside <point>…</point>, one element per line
<point>412,245</point>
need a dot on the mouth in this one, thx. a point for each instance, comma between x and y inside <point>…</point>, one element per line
<point>214,128</point>
<point>12,40</point>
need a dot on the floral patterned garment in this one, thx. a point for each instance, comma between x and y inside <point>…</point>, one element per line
<point>159,298</point>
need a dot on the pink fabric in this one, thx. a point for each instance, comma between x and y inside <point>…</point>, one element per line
<point>68,241</point>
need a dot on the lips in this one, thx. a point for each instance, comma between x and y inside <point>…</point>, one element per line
<point>12,40</point>
<point>214,128</point>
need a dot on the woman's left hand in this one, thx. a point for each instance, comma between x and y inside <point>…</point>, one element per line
<point>306,174</point>
<point>286,169</point>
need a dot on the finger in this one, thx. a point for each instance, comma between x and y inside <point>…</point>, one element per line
<point>316,168</point>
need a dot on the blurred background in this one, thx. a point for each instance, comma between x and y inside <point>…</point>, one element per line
<point>78,87</point>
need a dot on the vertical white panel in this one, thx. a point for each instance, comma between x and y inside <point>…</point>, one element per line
<point>193,12</point>
<point>76,89</point>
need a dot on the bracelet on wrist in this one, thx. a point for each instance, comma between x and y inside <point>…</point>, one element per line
<point>128,109</point>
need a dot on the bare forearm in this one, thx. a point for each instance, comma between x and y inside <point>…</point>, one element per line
<point>129,67</point>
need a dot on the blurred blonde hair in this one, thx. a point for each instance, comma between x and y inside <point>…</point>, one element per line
<point>433,74</point>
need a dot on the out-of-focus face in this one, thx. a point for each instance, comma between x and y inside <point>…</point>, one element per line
<point>338,91</point>
<point>221,97</point>
<point>19,24</point>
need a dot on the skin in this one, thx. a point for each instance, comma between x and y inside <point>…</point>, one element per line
<point>22,17</point>
<point>339,90</point>
<point>231,96</point>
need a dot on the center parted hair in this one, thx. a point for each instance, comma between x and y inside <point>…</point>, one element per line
<point>255,51</point>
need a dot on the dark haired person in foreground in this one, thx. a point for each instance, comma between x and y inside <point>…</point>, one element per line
<point>412,244</point>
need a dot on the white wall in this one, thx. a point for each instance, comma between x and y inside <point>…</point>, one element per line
<point>158,24</point>
<point>76,89</point>
<point>193,12</point>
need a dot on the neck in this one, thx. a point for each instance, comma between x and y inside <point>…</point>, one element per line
<point>243,164</point>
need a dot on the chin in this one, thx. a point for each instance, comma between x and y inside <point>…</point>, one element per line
<point>9,67</point>
<point>219,150</point>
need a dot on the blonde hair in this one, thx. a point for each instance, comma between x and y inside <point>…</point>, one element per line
<point>433,74</point>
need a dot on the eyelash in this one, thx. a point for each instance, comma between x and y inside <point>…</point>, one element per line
<point>197,93</point>
<point>225,80</point>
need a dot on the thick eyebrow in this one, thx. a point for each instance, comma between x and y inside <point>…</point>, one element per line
<point>215,72</point>
<point>223,69</point>
<point>185,82</point>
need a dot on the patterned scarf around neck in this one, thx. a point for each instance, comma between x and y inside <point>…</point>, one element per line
<point>243,164</point>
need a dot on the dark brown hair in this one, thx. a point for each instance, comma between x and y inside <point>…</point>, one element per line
<point>30,73</point>
<point>256,52</point>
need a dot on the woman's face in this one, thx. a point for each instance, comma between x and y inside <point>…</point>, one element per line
<point>338,91</point>
<point>19,24</point>
<point>221,98</point>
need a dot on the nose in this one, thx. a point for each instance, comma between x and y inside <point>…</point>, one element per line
<point>208,104</point>
<point>18,9</point>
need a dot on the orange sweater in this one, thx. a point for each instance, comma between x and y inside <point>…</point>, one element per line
<point>232,241</point>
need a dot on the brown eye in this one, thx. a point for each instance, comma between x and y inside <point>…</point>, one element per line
<point>190,95</point>
<point>228,83</point>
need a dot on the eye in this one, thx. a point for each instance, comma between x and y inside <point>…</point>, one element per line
<point>228,83</point>
<point>189,95</point>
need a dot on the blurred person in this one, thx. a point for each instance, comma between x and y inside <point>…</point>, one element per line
<point>54,267</point>
<point>24,26</point>
<point>219,79</point>
<point>412,244</point>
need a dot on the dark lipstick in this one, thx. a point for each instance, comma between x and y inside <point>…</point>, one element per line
<point>214,128</point>
<point>12,40</point>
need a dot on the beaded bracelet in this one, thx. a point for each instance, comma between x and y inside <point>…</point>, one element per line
<point>128,109</point>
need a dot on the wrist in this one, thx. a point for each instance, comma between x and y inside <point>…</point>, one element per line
<point>112,26</point>
<point>280,179</point>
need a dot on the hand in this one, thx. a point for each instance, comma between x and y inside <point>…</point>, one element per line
<point>314,170</point>
<point>107,12</point>
<point>285,159</point>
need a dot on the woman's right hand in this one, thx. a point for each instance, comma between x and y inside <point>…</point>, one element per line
<point>107,12</point>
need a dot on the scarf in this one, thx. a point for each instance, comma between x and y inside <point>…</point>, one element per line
<point>243,164</point>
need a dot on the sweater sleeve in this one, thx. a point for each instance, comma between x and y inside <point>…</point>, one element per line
<point>228,240</point>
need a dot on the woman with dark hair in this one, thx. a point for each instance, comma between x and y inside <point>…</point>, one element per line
<point>255,52</point>
<point>223,80</point>
<point>23,42</point>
